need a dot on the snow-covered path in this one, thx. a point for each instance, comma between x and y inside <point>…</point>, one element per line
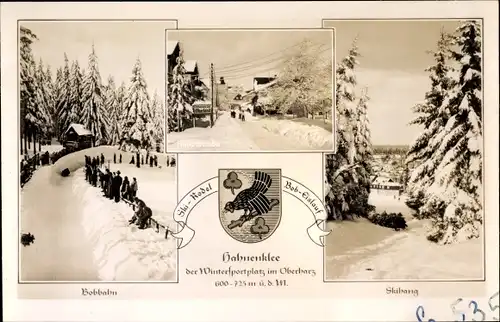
<point>360,250</point>
<point>230,134</point>
<point>60,251</point>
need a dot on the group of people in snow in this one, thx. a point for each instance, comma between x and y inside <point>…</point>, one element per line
<point>116,188</point>
<point>151,159</point>
<point>241,114</point>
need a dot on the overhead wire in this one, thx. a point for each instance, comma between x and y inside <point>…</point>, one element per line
<point>257,62</point>
<point>250,71</point>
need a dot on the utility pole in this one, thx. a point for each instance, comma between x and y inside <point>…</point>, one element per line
<point>212,82</point>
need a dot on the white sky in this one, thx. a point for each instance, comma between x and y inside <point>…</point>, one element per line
<point>250,53</point>
<point>392,66</point>
<point>117,45</point>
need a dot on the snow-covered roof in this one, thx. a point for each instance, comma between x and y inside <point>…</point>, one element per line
<point>79,129</point>
<point>260,88</point>
<point>202,103</point>
<point>190,65</point>
<point>171,45</point>
<point>205,81</point>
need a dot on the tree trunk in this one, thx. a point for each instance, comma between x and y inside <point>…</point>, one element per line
<point>25,135</point>
<point>34,141</point>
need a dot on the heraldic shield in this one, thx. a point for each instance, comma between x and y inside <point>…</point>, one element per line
<point>250,203</point>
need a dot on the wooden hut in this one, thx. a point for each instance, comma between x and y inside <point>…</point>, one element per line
<point>77,137</point>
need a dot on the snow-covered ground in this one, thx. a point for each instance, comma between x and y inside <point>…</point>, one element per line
<point>45,148</point>
<point>82,236</point>
<point>360,250</point>
<point>255,134</point>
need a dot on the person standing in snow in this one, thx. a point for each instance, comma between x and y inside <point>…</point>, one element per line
<point>94,176</point>
<point>125,188</point>
<point>133,188</point>
<point>108,184</point>
<point>114,158</point>
<point>102,159</point>
<point>120,158</point>
<point>168,161</point>
<point>117,183</point>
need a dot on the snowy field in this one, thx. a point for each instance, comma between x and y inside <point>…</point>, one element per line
<point>255,134</point>
<point>82,236</point>
<point>45,148</point>
<point>360,250</point>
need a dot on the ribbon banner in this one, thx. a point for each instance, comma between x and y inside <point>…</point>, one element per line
<point>207,188</point>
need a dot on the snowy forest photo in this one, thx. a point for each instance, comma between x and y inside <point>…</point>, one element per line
<point>404,191</point>
<point>97,190</point>
<point>53,97</point>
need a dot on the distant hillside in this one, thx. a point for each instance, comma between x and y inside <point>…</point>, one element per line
<point>398,149</point>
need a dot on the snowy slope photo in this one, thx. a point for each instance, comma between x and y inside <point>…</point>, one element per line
<point>97,190</point>
<point>250,90</point>
<point>404,190</point>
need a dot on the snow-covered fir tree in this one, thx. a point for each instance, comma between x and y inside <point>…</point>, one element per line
<point>50,83</point>
<point>454,199</point>
<point>345,194</point>
<point>157,114</point>
<point>138,123</point>
<point>30,119</point>
<point>65,112</point>
<point>363,145</point>
<point>76,90</point>
<point>113,110</point>
<point>121,96</point>
<point>94,114</point>
<point>42,100</point>
<point>432,117</point>
<point>179,97</point>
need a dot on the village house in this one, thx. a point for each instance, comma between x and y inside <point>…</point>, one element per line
<point>77,136</point>
<point>173,52</point>
<point>260,82</point>
<point>192,70</point>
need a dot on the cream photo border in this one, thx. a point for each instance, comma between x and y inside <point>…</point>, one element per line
<point>337,302</point>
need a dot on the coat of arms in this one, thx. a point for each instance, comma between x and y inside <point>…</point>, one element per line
<point>250,203</point>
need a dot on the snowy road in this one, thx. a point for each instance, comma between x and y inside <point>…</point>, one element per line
<point>230,134</point>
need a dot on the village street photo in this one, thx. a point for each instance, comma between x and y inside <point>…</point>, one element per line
<point>404,190</point>
<point>262,90</point>
<point>97,190</point>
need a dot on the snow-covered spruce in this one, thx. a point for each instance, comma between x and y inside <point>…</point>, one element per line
<point>348,171</point>
<point>94,116</point>
<point>179,97</point>
<point>453,193</point>
<point>431,117</point>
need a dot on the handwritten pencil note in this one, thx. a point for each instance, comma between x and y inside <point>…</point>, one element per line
<point>466,310</point>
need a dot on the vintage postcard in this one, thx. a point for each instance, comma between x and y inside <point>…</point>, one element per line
<point>250,90</point>
<point>265,161</point>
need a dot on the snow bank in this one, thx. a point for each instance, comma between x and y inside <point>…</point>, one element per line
<point>82,236</point>
<point>122,252</point>
<point>308,135</point>
<point>414,257</point>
